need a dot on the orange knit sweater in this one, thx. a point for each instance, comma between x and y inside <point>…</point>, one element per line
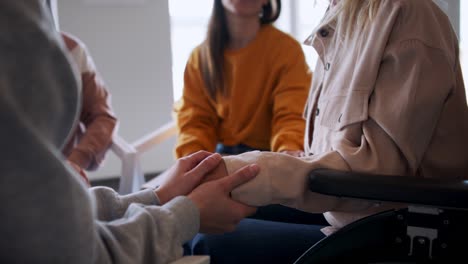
<point>268,83</point>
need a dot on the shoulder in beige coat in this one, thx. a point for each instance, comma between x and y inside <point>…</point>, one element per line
<point>391,102</point>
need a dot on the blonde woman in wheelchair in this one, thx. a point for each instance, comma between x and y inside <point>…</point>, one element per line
<point>388,98</point>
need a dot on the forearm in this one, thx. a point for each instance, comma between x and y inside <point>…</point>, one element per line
<point>61,217</point>
<point>97,117</point>
<point>110,205</point>
<point>288,124</point>
<point>148,234</point>
<point>289,99</point>
<point>94,143</point>
<point>283,180</point>
<point>196,116</point>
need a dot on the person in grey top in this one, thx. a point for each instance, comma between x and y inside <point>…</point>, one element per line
<point>47,214</point>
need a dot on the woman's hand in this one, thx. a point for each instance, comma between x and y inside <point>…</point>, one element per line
<point>217,173</point>
<point>219,213</point>
<point>186,174</point>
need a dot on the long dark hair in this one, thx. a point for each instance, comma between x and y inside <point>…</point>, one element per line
<point>212,49</point>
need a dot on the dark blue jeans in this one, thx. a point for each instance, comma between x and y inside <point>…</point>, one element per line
<point>257,241</point>
<point>233,150</point>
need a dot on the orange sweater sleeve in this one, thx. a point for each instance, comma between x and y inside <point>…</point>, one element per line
<point>289,98</point>
<point>196,117</point>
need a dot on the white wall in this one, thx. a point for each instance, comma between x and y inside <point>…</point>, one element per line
<point>130,44</point>
<point>452,8</point>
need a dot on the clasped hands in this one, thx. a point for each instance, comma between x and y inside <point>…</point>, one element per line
<point>203,178</point>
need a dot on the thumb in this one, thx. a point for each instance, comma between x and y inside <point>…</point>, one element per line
<point>241,176</point>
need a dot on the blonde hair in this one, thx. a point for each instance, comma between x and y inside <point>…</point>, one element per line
<point>350,17</point>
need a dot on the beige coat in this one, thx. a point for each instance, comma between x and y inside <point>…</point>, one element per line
<point>392,101</point>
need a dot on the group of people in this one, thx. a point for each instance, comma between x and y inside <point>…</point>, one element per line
<point>387,96</point>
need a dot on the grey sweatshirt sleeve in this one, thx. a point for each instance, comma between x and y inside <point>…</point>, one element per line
<point>146,233</point>
<point>110,205</point>
<point>50,217</point>
<point>47,214</point>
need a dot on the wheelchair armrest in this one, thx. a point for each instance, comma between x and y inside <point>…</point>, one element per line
<point>444,193</point>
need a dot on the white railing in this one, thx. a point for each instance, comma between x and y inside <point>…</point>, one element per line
<point>132,177</point>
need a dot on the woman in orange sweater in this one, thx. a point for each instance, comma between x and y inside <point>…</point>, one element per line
<point>245,86</point>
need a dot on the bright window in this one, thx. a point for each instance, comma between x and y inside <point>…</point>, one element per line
<point>189,19</point>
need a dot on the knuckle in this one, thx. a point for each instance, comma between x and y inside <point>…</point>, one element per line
<point>205,163</point>
<point>200,154</point>
<point>186,161</point>
<point>183,160</point>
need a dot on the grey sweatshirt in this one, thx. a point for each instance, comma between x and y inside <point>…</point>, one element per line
<point>47,214</point>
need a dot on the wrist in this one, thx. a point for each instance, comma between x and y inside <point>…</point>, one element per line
<point>195,201</point>
<point>161,195</point>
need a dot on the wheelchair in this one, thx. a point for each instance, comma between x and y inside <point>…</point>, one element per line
<point>433,228</point>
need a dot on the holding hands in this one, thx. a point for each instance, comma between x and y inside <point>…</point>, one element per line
<point>202,177</point>
<point>186,174</point>
<point>219,213</point>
